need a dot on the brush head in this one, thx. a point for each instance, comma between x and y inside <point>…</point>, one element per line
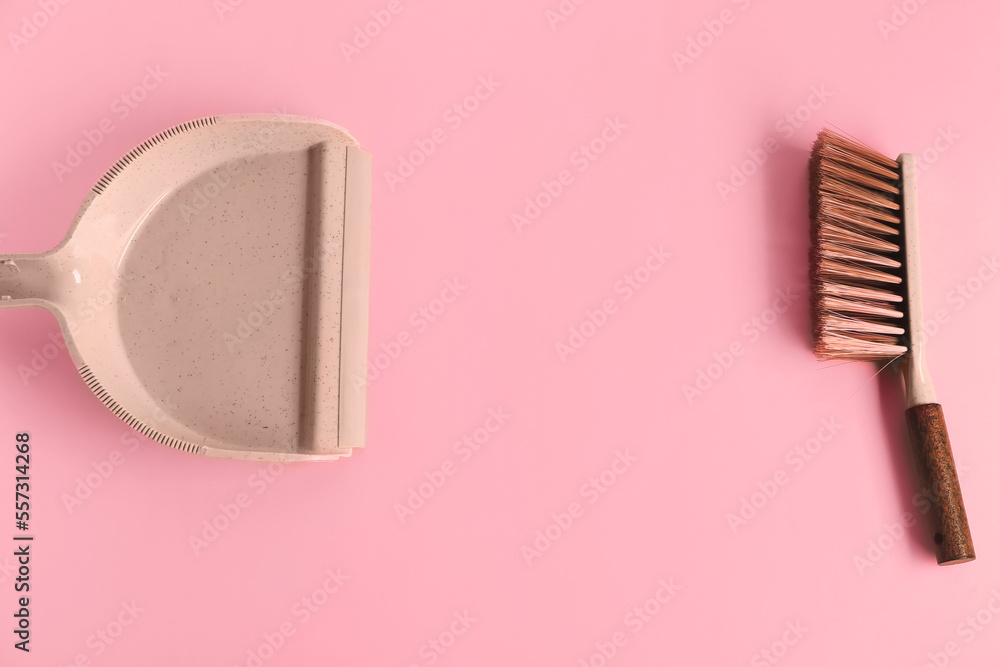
<point>857,258</point>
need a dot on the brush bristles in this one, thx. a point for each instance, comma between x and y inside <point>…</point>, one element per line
<point>856,263</point>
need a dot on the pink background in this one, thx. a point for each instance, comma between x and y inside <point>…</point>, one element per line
<point>801,561</point>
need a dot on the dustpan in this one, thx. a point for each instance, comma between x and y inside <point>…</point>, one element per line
<point>213,288</point>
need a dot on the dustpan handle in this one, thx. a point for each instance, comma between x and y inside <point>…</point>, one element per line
<point>27,279</point>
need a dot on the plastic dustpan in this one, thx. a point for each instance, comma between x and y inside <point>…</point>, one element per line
<point>213,288</point>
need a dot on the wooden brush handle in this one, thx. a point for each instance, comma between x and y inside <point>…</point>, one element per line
<point>939,484</point>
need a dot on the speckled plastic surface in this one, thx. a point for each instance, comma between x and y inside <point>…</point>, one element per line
<point>213,288</point>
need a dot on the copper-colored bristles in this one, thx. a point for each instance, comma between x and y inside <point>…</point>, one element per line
<point>856,262</point>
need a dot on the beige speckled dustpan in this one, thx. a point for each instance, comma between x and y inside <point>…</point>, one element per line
<point>213,288</point>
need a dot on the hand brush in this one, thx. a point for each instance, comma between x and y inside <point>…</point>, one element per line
<point>865,275</point>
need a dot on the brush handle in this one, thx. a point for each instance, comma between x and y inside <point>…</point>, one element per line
<point>939,484</point>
